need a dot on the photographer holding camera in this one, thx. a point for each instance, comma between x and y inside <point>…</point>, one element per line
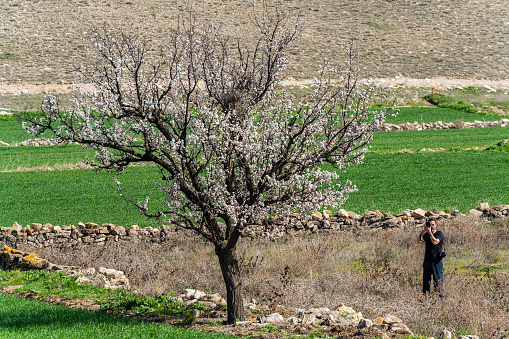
<point>432,265</point>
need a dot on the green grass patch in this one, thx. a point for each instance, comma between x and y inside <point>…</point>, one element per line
<point>502,105</point>
<point>453,139</point>
<point>432,114</point>
<point>268,328</point>
<point>446,101</point>
<point>33,157</point>
<point>387,182</point>
<point>27,319</point>
<point>11,132</point>
<point>501,146</point>
<point>120,302</point>
<point>70,196</point>
<point>394,182</point>
<point>7,56</point>
<point>127,303</point>
<point>53,284</point>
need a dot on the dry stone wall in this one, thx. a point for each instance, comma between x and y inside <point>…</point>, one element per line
<point>415,126</point>
<point>91,234</point>
<point>11,259</point>
<point>385,127</point>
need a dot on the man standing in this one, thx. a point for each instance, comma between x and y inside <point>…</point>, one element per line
<point>432,265</point>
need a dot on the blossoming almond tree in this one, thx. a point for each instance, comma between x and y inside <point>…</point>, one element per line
<point>232,149</point>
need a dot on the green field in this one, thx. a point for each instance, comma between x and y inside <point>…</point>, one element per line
<point>454,139</point>
<point>26,157</point>
<point>25,319</point>
<point>22,158</point>
<point>433,114</point>
<point>387,181</point>
<point>11,132</point>
<point>71,196</point>
<point>442,180</point>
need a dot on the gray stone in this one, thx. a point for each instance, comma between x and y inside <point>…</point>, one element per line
<point>419,213</point>
<point>391,319</point>
<point>292,321</point>
<point>400,328</point>
<point>118,230</point>
<point>475,213</point>
<point>274,318</point>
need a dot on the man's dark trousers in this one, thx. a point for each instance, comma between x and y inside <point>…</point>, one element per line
<point>435,269</point>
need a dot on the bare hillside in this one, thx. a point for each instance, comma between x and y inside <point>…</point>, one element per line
<point>41,39</point>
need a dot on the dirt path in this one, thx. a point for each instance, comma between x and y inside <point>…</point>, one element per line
<point>438,83</point>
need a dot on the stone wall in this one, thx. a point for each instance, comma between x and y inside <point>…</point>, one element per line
<point>415,126</point>
<point>385,127</point>
<point>91,234</point>
<point>11,259</point>
<point>408,219</point>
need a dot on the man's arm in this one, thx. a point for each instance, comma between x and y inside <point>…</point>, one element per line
<point>434,241</point>
<point>420,236</point>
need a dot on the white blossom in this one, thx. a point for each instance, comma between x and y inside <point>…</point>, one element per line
<point>230,146</point>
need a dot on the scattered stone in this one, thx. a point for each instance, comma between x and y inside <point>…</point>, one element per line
<point>475,213</point>
<point>363,323</point>
<point>400,328</point>
<point>484,207</point>
<point>391,319</point>
<point>274,318</point>
<point>445,334</point>
<point>197,313</point>
<point>489,89</point>
<point>292,321</point>
<point>317,216</point>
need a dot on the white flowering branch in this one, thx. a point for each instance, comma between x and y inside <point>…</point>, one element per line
<point>231,149</point>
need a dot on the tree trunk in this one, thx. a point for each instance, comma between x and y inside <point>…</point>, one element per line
<point>233,280</point>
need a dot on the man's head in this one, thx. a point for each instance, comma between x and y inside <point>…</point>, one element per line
<point>431,223</point>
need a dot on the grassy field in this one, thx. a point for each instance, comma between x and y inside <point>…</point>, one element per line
<point>387,181</point>
<point>70,196</point>
<point>30,158</point>
<point>11,132</point>
<point>431,114</point>
<point>26,319</point>
<point>364,271</point>
<point>41,157</point>
<point>444,181</point>
<point>450,140</point>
